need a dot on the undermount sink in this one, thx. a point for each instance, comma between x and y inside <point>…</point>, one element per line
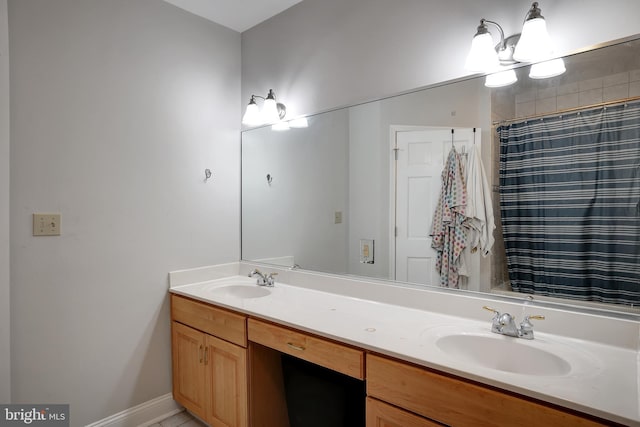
<point>503,354</point>
<point>242,291</point>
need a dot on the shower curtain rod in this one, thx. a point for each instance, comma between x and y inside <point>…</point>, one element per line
<point>568,110</point>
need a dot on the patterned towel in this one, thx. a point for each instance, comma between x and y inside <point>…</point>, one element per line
<point>447,231</point>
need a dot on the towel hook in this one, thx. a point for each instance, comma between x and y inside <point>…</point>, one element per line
<point>452,144</point>
<point>269,178</point>
<point>474,136</point>
<point>207,174</point>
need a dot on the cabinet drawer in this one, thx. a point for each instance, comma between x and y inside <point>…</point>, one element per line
<point>380,414</point>
<point>456,402</point>
<point>337,357</point>
<point>214,321</point>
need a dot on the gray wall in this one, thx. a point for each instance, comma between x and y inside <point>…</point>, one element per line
<point>117,108</point>
<point>295,215</point>
<point>457,105</point>
<point>320,54</point>
<point>5,353</point>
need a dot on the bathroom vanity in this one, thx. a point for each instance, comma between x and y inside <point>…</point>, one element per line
<point>229,336</point>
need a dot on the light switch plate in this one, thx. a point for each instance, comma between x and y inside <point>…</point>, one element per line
<point>46,224</point>
<point>338,217</point>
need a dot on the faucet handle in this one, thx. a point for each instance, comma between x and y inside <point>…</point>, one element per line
<point>495,322</point>
<point>497,313</point>
<point>526,328</point>
<point>270,279</point>
<point>261,280</point>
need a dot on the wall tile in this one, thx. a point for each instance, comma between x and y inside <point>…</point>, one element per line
<point>546,93</point>
<point>590,97</point>
<point>568,88</point>
<point>571,100</point>
<point>524,109</point>
<point>615,79</point>
<point>634,75</point>
<point>527,96</point>
<point>634,88</point>
<point>547,105</point>
<point>586,85</point>
<point>613,93</point>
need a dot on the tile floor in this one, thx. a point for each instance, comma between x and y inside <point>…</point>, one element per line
<point>181,419</point>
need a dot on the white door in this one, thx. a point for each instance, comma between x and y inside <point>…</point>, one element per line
<point>421,156</point>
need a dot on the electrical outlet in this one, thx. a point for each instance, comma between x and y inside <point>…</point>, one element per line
<point>367,251</point>
<point>46,224</point>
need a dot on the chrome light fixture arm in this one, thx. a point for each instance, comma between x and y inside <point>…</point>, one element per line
<point>482,28</point>
<point>506,46</point>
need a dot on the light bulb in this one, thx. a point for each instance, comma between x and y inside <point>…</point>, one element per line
<point>270,111</point>
<point>252,114</point>
<point>482,56</point>
<point>546,69</point>
<point>534,44</point>
<point>502,78</point>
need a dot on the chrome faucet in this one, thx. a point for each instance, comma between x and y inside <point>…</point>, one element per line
<point>505,324</point>
<point>264,279</point>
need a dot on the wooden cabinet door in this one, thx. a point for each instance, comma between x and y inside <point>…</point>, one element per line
<point>226,384</point>
<point>187,346</point>
<point>380,414</point>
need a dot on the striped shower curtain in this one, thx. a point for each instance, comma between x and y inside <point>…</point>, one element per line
<point>570,204</point>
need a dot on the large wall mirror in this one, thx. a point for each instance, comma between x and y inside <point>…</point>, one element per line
<point>356,191</point>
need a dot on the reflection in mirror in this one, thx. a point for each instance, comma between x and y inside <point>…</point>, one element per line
<point>367,178</point>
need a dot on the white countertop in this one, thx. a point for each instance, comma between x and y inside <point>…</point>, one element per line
<point>603,380</point>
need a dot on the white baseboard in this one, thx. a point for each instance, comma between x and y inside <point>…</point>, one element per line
<point>142,415</point>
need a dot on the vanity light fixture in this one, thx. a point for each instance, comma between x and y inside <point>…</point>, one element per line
<point>272,111</point>
<point>532,45</point>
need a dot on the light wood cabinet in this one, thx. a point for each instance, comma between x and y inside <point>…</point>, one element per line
<point>226,384</point>
<point>188,368</point>
<point>220,323</point>
<point>209,373</point>
<point>380,414</point>
<point>337,357</point>
<point>455,402</point>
